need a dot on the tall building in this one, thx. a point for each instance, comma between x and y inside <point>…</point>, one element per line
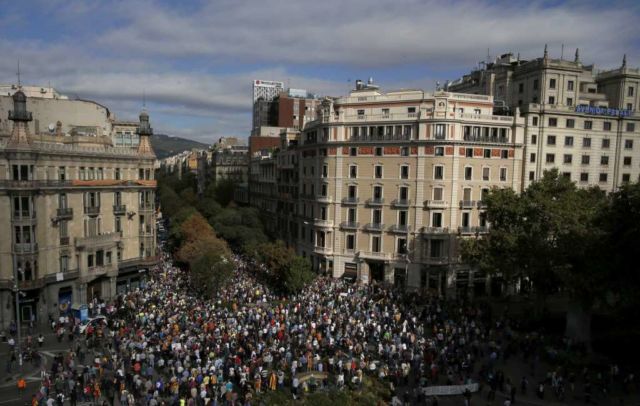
<point>578,119</point>
<point>78,213</point>
<point>382,185</point>
<point>264,91</point>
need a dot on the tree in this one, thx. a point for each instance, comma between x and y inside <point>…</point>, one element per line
<point>289,272</point>
<point>297,274</point>
<point>224,191</point>
<point>210,272</point>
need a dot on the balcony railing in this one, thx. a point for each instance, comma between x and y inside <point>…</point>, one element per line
<point>436,204</point>
<point>146,206</point>
<point>64,241</point>
<point>482,229</point>
<point>374,227</point>
<point>25,248</point>
<point>323,250</point>
<point>482,204</point>
<point>467,230</point>
<point>31,284</point>
<point>374,255</point>
<point>324,199</point>
<point>350,200</point>
<point>467,204</point>
<point>64,213</point>
<point>400,228</point>
<point>375,201</point>
<point>401,203</point>
<point>119,209</point>
<point>322,223</point>
<point>92,210</point>
<point>99,239</point>
<point>350,225</point>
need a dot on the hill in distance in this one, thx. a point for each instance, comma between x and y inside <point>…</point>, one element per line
<point>166,145</point>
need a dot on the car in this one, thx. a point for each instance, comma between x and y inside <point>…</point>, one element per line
<point>94,321</point>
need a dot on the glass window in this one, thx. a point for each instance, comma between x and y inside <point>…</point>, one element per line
<point>404,172</point>
<point>438,172</point>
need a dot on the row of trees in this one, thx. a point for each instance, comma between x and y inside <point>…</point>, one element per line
<point>555,237</point>
<point>205,229</point>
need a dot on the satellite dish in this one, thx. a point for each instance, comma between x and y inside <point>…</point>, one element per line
<point>52,127</point>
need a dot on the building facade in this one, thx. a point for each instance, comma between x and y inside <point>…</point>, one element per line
<point>382,185</point>
<point>577,119</point>
<point>78,214</point>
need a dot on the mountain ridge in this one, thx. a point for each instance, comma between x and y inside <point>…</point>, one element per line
<point>167,145</point>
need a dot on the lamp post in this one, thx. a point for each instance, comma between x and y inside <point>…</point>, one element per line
<point>17,292</point>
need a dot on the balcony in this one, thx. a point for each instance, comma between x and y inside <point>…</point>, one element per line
<point>64,213</point>
<point>31,284</point>
<point>401,203</point>
<point>435,204</point>
<point>482,229</point>
<point>119,209</point>
<point>435,231</point>
<point>64,241</point>
<point>467,204</point>
<point>146,206</point>
<point>324,199</point>
<point>323,250</point>
<point>350,200</point>
<point>146,230</point>
<point>482,204</point>
<point>375,201</point>
<point>105,239</point>
<point>377,227</point>
<point>25,248</point>
<point>466,230</point>
<point>92,210</point>
<point>349,225</point>
<point>373,255</point>
<point>400,228</point>
<point>322,223</point>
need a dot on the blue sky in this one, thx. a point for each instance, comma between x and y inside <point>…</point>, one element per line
<point>195,60</point>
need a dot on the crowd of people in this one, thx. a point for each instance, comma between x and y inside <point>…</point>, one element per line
<point>164,344</point>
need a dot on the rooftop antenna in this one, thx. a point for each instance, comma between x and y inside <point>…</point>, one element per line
<point>488,56</point>
<point>144,99</point>
<point>561,51</point>
<point>18,73</point>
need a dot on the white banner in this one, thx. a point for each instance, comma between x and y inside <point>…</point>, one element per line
<point>450,390</point>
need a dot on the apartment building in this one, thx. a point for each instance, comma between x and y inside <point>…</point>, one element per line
<point>77,212</point>
<point>578,119</point>
<point>382,185</point>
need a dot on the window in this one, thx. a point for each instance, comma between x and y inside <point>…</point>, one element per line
<point>64,263</point>
<point>436,219</point>
<point>436,249</point>
<point>535,84</point>
<point>534,121</point>
<point>605,143</point>
<point>569,101</point>
<point>588,124</point>
<point>551,140</point>
<point>603,177</point>
<point>402,217</point>
<point>468,173</point>
<point>532,175</point>
<point>360,112</point>
<point>90,261</point>
<point>404,193</point>
<point>486,171</point>
<point>568,141</point>
<point>626,161</point>
<point>325,171</point>
<point>62,173</point>
<point>503,174</point>
<point>468,152</point>
<point>404,151</point>
<point>552,83</point>
<point>630,91</point>
<point>118,224</point>
<point>117,174</point>
<point>378,171</point>
<point>377,192</point>
<point>439,151</point>
<point>437,194</point>
<point>353,191</point>
<point>534,139</point>
<point>323,213</point>
<point>438,172</point>
<point>626,178</point>
<point>353,171</point>
<point>553,122</point>
<point>571,123</point>
<point>375,244</point>
<point>323,190</point>
<point>404,172</point>
<point>584,177</point>
<point>411,109</point>
<point>631,127</point>
<point>376,216</point>
<point>440,133</point>
<point>567,159</point>
<point>586,142</point>
<point>606,126</point>
<point>504,154</point>
<point>569,85</point>
<point>585,159</point>
<point>629,106</point>
<point>604,160</point>
<point>566,175</point>
<point>385,112</point>
<point>402,246</point>
<point>465,219</point>
<point>486,153</point>
<point>520,87</point>
<point>628,144</point>
<point>378,151</point>
<point>550,158</point>
<point>552,100</point>
<point>351,215</point>
<point>532,157</point>
<point>353,151</point>
<point>351,242</point>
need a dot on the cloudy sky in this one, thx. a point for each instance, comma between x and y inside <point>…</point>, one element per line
<point>195,60</point>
